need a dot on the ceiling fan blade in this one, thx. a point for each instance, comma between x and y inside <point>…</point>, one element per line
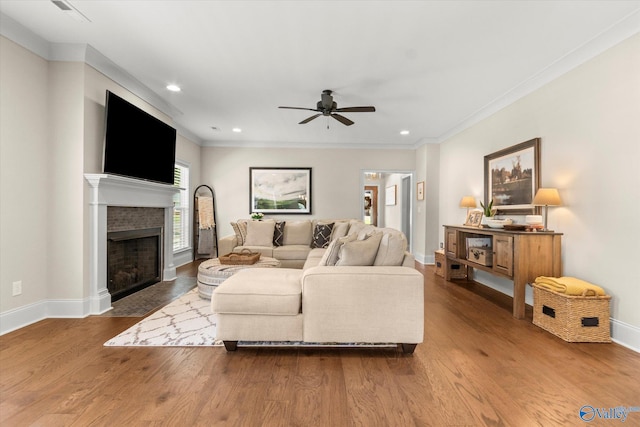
<point>300,108</point>
<point>356,110</point>
<point>342,119</point>
<point>308,119</point>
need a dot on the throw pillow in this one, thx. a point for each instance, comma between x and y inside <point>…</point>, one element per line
<point>339,230</point>
<point>366,231</point>
<point>236,231</point>
<point>260,233</point>
<point>360,252</point>
<point>330,256</point>
<point>391,249</point>
<point>278,233</point>
<point>297,233</point>
<point>240,230</point>
<point>322,235</point>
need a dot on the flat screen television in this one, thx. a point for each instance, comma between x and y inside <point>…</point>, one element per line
<point>136,144</point>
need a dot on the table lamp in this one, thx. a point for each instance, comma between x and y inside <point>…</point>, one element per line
<point>547,197</point>
<point>468,202</point>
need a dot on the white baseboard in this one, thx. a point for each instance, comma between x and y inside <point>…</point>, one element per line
<point>23,316</point>
<point>625,335</point>
<point>182,258</point>
<point>621,333</point>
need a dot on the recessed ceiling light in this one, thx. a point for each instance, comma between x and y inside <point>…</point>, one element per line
<point>237,130</point>
<point>174,88</point>
<point>404,132</point>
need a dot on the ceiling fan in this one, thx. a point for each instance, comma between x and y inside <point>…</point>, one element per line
<point>328,107</point>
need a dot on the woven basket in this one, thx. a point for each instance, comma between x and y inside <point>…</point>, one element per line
<point>244,257</point>
<point>572,318</point>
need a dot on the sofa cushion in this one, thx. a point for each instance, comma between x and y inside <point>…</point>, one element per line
<point>297,233</point>
<point>260,233</point>
<point>278,233</point>
<point>322,235</point>
<point>271,291</point>
<point>360,252</point>
<point>314,258</point>
<point>330,256</point>
<point>291,252</point>
<point>391,249</point>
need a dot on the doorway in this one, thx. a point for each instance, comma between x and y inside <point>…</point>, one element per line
<point>397,211</point>
<point>371,204</point>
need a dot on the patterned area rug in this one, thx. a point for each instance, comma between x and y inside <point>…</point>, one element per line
<point>185,322</point>
<point>188,322</point>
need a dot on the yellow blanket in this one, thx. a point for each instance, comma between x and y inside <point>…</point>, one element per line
<point>569,286</point>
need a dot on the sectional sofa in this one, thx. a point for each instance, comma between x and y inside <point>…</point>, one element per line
<point>341,282</point>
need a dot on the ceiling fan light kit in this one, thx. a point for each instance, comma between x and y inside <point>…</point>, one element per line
<point>328,107</point>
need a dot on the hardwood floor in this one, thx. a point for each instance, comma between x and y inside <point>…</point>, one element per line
<point>478,366</point>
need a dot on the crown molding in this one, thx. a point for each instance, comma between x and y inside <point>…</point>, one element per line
<point>618,32</point>
<point>75,52</point>
<point>328,145</point>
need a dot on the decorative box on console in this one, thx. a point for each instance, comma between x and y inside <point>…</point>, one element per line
<point>572,318</point>
<point>456,271</point>
<point>482,255</point>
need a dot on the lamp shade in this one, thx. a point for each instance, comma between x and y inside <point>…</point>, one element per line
<point>547,197</point>
<point>468,202</point>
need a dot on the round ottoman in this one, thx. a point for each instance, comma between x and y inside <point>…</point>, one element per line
<point>211,273</point>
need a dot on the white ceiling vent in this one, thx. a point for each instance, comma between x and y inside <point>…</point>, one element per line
<point>70,10</point>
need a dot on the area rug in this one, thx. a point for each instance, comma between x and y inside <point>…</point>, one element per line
<point>185,322</point>
<point>188,322</point>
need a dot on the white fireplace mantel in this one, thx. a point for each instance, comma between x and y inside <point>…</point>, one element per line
<point>112,190</point>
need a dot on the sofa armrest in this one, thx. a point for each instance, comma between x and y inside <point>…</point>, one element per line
<point>227,244</point>
<point>409,260</point>
<point>363,304</point>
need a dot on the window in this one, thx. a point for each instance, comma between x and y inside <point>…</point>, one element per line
<point>181,208</point>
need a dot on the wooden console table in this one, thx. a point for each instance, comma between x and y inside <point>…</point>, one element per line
<point>517,255</point>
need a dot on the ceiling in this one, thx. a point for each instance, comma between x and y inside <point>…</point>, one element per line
<point>430,67</point>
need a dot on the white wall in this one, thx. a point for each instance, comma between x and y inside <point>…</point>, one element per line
<point>24,177</point>
<point>51,133</point>
<point>426,225</point>
<point>589,123</point>
<point>336,177</point>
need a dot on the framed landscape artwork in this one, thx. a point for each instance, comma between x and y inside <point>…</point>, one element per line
<point>512,177</point>
<point>280,190</point>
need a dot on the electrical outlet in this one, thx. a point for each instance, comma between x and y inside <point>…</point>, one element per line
<point>17,288</point>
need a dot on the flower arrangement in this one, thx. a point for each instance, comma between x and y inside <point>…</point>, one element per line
<point>257,215</point>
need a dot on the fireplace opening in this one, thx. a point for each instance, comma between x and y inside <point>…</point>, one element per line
<point>133,260</point>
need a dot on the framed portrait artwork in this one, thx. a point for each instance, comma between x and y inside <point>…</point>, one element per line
<point>280,190</point>
<point>512,177</point>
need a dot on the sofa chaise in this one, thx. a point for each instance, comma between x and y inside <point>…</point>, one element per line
<point>359,286</point>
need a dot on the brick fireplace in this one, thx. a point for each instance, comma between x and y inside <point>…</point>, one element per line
<point>120,208</point>
<point>134,249</point>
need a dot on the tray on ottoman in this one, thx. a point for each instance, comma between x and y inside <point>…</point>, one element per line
<point>245,257</point>
<point>572,318</point>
